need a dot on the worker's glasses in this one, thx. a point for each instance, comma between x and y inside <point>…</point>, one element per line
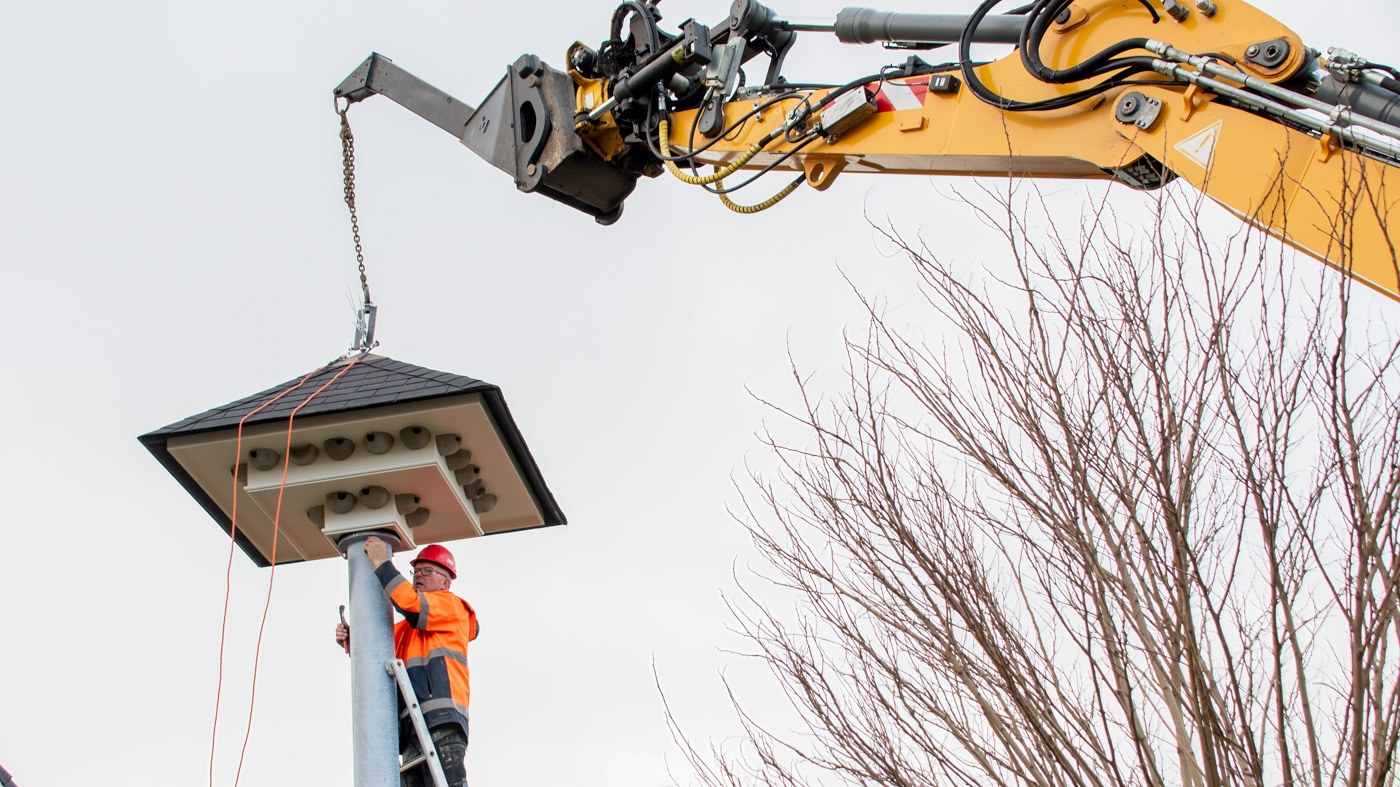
<point>427,572</point>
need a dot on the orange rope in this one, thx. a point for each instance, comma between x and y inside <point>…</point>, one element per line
<point>228,570</point>
<point>276,523</point>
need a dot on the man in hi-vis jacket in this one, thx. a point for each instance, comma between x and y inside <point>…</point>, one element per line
<point>432,641</point>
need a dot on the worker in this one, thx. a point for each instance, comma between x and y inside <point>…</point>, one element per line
<point>432,640</point>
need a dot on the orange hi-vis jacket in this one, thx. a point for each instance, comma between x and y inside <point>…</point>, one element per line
<point>432,640</point>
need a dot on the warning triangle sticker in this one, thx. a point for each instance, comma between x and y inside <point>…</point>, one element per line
<point>1200,147</point>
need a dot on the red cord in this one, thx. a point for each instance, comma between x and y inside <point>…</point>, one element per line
<point>228,570</point>
<point>276,521</point>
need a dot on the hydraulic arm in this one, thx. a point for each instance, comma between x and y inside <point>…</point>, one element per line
<point>1299,142</point>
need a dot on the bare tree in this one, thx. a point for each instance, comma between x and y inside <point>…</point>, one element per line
<point>1132,522</point>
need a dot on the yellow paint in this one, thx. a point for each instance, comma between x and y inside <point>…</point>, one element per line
<point>602,135</point>
<point>1285,181</point>
<point>1335,207</point>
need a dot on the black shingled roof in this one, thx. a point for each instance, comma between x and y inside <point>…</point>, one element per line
<point>374,381</point>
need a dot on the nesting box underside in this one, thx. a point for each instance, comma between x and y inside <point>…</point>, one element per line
<point>436,490</point>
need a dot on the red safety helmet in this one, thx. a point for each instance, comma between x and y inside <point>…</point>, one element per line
<point>437,553</point>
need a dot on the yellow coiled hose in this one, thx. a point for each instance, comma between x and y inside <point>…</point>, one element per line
<point>717,177</point>
<point>719,174</point>
<point>764,205</point>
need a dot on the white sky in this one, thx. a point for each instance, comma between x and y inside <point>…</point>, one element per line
<point>172,238</point>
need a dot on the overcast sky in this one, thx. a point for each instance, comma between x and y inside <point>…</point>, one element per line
<point>173,238</point>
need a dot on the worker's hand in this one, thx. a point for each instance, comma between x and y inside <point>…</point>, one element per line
<point>342,636</point>
<point>377,551</point>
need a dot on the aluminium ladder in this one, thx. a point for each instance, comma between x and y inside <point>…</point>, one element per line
<point>425,741</point>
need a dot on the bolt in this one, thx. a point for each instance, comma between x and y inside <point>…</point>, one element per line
<point>1178,11</point>
<point>530,171</point>
<point>1252,51</point>
<point>1207,7</point>
<point>1129,105</point>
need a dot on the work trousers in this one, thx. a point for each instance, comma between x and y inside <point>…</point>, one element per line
<point>451,743</point>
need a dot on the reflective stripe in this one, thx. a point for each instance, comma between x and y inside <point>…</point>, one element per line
<point>422,621</point>
<point>395,582</point>
<point>446,703</point>
<point>448,653</point>
<point>413,618</point>
<point>436,653</point>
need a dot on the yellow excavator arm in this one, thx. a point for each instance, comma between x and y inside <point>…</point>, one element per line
<point>1302,143</point>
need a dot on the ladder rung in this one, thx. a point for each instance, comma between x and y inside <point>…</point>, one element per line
<point>415,713</point>
<point>416,761</point>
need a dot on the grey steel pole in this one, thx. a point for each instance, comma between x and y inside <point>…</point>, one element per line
<point>374,696</point>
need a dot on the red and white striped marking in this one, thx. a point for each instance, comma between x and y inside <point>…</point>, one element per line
<point>894,96</point>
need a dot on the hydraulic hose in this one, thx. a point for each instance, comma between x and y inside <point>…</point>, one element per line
<point>1101,63</point>
<point>1042,15</point>
<point>764,205</point>
<point>653,36</point>
<point>702,180</point>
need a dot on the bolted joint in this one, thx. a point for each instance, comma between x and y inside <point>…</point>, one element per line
<point>1206,7</point>
<point>1176,10</point>
<point>1138,109</point>
<point>1268,54</point>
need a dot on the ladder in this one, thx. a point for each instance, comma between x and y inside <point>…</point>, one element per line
<point>425,741</point>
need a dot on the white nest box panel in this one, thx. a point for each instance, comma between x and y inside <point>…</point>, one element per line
<point>435,470</point>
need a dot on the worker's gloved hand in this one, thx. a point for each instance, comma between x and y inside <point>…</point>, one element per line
<point>342,636</point>
<point>377,551</point>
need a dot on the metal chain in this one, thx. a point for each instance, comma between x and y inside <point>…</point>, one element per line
<point>347,146</point>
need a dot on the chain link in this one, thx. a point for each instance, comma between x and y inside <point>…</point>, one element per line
<point>347,146</point>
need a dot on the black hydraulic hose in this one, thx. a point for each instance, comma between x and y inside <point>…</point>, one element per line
<point>1095,65</point>
<point>1037,13</point>
<point>747,181</point>
<point>846,88</point>
<point>883,76</point>
<point>654,36</point>
<point>1118,68</point>
<point>1382,67</point>
<point>1389,83</point>
<point>744,118</point>
<point>1044,15</point>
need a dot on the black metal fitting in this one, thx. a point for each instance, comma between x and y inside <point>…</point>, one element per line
<point>1138,109</point>
<point>756,23</point>
<point>693,47</point>
<point>944,83</point>
<point>1268,54</point>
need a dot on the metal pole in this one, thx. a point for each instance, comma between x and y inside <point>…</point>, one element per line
<point>374,697</point>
